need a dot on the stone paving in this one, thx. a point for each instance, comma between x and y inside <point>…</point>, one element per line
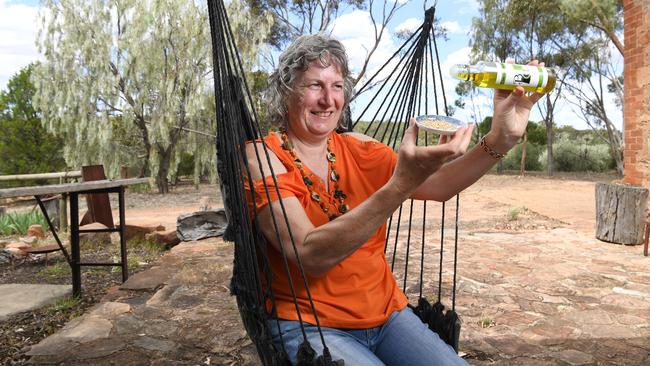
<point>552,297</point>
<point>18,298</point>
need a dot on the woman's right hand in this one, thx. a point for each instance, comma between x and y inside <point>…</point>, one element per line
<point>416,163</point>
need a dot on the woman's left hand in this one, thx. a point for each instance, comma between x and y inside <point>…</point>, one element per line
<point>511,113</point>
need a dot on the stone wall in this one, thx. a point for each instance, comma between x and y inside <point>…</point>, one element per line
<point>637,92</point>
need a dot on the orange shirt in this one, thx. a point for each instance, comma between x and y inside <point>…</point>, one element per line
<point>359,292</point>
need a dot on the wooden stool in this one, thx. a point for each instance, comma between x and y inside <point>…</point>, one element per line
<point>43,250</point>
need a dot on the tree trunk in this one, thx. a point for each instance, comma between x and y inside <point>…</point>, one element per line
<point>197,171</point>
<point>163,171</point>
<point>522,164</point>
<point>548,122</point>
<point>144,169</point>
<point>616,151</point>
<point>620,213</point>
<point>618,158</point>
<point>549,149</point>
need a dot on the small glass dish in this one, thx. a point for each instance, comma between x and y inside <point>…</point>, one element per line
<point>441,125</point>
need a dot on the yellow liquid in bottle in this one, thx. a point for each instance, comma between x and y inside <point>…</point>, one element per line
<point>508,77</point>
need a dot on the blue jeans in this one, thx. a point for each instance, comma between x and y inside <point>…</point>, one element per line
<point>402,340</point>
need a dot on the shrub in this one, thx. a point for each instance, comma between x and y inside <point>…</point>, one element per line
<point>512,161</point>
<point>513,213</point>
<point>578,156</point>
<point>18,222</point>
<point>140,188</point>
<point>186,165</point>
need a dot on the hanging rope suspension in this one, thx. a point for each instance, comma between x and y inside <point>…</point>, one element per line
<point>402,92</point>
<point>414,86</point>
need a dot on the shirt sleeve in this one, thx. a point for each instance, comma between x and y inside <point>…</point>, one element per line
<point>267,190</point>
<point>374,159</point>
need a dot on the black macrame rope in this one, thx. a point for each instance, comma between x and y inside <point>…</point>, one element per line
<point>234,108</point>
<point>305,350</point>
<point>405,91</point>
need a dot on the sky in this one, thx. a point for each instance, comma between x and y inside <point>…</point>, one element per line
<point>19,27</point>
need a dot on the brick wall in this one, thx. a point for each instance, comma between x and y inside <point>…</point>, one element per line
<point>636,113</point>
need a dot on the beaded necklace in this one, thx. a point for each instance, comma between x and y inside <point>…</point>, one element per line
<point>333,176</point>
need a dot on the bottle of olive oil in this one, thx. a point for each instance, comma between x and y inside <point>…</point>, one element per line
<point>501,75</point>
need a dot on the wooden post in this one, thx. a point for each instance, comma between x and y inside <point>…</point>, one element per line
<point>620,213</point>
<point>63,208</point>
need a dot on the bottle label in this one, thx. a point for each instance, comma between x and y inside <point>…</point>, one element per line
<point>521,75</point>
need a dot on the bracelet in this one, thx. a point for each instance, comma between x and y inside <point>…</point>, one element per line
<point>489,150</point>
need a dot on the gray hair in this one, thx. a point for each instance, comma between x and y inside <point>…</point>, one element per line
<point>293,62</point>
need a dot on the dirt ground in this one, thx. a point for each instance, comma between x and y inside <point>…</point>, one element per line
<point>496,203</point>
<point>566,200</point>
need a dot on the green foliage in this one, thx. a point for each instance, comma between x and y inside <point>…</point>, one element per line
<point>140,188</point>
<point>292,18</point>
<point>572,35</point>
<point>65,304</point>
<point>16,102</point>
<point>56,270</point>
<point>17,223</point>
<point>485,126</point>
<point>144,247</point>
<point>123,85</point>
<point>487,323</point>
<point>577,155</point>
<point>536,133</point>
<point>601,16</point>
<point>121,82</point>
<point>186,165</point>
<point>513,213</point>
<point>379,131</point>
<point>128,147</point>
<point>26,147</point>
<point>252,23</point>
<point>512,161</point>
<point>258,82</point>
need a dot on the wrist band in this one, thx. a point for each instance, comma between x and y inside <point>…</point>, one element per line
<point>489,150</point>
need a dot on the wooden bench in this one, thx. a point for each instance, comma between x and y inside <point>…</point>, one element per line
<point>73,190</point>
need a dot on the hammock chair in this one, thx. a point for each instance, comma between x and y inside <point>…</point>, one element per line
<point>408,84</point>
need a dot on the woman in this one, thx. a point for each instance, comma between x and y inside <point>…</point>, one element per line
<point>338,191</point>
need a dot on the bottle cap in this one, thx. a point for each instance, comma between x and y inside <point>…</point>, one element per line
<point>460,71</point>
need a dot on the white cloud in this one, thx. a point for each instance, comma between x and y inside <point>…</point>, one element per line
<point>18,24</point>
<point>409,25</point>
<point>467,6</point>
<point>452,27</point>
<point>357,33</point>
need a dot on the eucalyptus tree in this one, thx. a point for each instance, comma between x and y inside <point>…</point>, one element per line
<point>591,78</point>
<point>293,18</point>
<point>523,31</point>
<point>597,25</point>
<point>603,16</point>
<point>26,147</point>
<point>124,80</point>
